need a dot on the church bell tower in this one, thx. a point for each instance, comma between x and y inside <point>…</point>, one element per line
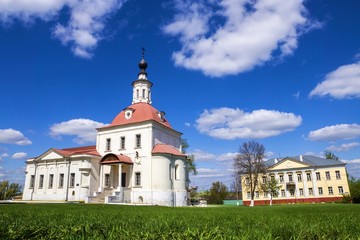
<point>142,86</point>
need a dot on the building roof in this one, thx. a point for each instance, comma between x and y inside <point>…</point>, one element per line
<point>112,158</point>
<point>307,159</point>
<point>90,150</point>
<point>167,149</point>
<point>139,112</point>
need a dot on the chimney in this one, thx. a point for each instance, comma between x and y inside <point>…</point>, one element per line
<point>301,158</point>
<point>276,160</point>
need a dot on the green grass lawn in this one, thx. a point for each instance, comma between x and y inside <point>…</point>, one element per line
<point>86,221</point>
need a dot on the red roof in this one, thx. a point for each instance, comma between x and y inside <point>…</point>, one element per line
<point>115,158</point>
<point>164,148</point>
<point>140,112</point>
<point>90,150</point>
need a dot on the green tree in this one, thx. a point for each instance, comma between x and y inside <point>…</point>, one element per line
<point>330,155</point>
<point>249,163</point>
<point>8,191</point>
<point>272,187</point>
<point>190,158</point>
<point>218,193</point>
<point>354,186</point>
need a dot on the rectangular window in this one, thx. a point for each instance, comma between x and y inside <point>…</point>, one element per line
<point>318,178</point>
<point>122,143</point>
<point>311,191</point>
<point>32,181</point>
<point>41,181</point>
<point>108,144</point>
<point>337,173</point>
<point>248,195</point>
<point>301,192</point>
<point>51,180</point>
<point>281,178</point>
<point>299,176</point>
<point>320,190</point>
<point>137,179</point>
<point>330,189</point>
<point>107,180</point>
<point>327,174</point>
<point>263,180</point>
<point>143,93</point>
<point>265,194</point>
<point>257,194</point>
<point>72,180</point>
<point>290,177</point>
<point>272,177</point>
<point>61,180</point>
<point>282,192</point>
<point>292,192</point>
<point>308,176</point>
<point>138,141</point>
<point>247,181</point>
<point>341,190</point>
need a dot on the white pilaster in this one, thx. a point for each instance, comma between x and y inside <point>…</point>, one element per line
<point>313,176</point>
<point>306,190</point>
<point>120,180</point>
<point>101,178</point>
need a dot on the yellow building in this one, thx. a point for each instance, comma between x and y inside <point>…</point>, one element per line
<point>302,178</point>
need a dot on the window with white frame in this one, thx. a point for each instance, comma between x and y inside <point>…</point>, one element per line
<point>248,195</point>
<point>272,177</point>
<point>72,180</point>
<point>257,194</point>
<point>282,192</point>
<point>292,192</point>
<point>61,180</point>
<point>299,176</point>
<point>247,181</point>
<point>318,177</point>
<point>122,142</point>
<point>320,191</point>
<point>138,141</point>
<point>308,176</point>
<point>338,176</point>
<point>311,191</point>
<point>281,178</point>
<point>330,190</point>
<point>108,144</point>
<point>51,180</point>
<point>301,192</point>
<point>265,194</point>
<point>137,179</point>
<point>341,190</point>
<point>32,181</point>
<point>290,177</point>
<point>327,174</point>
<point>41,181</point>
<point>263,180</point>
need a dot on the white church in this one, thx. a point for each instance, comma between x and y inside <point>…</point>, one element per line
<point>137,159</point>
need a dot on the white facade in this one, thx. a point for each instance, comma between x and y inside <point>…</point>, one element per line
<point>137,159</point>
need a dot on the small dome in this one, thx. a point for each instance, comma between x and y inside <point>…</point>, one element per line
<point>143,64</point>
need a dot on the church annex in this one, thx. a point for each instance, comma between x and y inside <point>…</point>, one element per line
<point>137,159</point>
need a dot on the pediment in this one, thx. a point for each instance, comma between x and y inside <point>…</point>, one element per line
<point>288,163</point>
<point>49,155</point>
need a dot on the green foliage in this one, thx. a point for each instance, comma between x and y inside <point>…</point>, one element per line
<point>354,186</point>
<point>92,221</point>
<point>9,190</point>
<point>190,158</point>
<point>217,193</point>
<point>331,155</point>
<point>271,186</point>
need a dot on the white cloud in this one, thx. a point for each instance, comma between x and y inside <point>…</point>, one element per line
<point>19,155</point>
<point>85,26</point>
<point>344,82</point>
<point>335,132</point>
<point>12,136</point>
<point>353,167</point>
<point>343,147</point>
<point>252,33</point>
<point>228,123</point>
<point>200,155</point>
<point>83,129</point>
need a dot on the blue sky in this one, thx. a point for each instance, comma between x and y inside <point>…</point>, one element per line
<point>284,74</point>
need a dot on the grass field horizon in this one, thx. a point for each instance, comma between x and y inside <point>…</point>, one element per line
<point>99,221</point>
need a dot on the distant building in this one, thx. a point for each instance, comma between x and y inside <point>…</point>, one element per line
<point>303,179</point>
<point>137,159</point>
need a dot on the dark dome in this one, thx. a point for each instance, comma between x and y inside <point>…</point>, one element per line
<point>143,64</point>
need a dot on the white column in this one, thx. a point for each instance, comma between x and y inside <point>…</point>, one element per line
<point>101,178</point>
<point>315,190</point>
<point>120,180</point>
<point>306,190</point>
<point>286,180</point>
<point>295,179</point>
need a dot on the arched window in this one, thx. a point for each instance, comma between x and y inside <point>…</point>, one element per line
<point>177,172</point>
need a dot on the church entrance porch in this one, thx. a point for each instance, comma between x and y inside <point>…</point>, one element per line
<point>115,178</point>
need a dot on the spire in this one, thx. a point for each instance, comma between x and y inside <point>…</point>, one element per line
<point>142,86</point>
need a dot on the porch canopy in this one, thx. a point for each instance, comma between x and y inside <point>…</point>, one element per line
<point>112,158</point>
